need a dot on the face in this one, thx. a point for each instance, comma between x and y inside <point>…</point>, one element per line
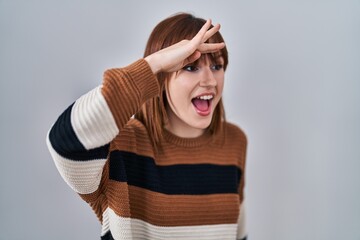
<point>192,94</point>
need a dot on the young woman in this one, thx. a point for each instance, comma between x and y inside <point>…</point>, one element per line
<point>150,150</point>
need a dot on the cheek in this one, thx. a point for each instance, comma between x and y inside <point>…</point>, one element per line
<point>172,93</point>
<point>179,90</point>
<point>176,96</point>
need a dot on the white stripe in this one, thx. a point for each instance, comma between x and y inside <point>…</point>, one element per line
<point>127,228</point>
<point>242,232</point>
<point>105,222</point>
<point>82,176</point>
<point>92,120</point>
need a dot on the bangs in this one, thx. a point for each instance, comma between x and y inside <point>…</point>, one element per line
<point>214,58</point>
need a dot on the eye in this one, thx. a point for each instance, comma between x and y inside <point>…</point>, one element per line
<point>216,67</point>
<point>190,68</point>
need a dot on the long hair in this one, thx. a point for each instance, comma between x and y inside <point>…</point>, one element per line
<point>168,32</point>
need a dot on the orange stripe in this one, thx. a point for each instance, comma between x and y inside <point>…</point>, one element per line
<point>134,138</point>
<point>126,89</point>
<point>172,210</point>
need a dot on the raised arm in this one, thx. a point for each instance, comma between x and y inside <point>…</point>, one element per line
<point>79,139</point>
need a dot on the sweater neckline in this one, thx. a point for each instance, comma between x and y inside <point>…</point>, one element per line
<point>201,140</point>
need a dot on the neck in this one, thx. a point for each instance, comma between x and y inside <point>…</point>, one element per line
<point>181,129</point>
<point>185,133</point>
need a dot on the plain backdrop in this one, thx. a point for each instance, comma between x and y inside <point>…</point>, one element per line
<point>293,85</point>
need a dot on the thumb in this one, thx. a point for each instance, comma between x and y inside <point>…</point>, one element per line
<point>193,57</point>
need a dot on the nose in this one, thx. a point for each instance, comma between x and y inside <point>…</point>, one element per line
<point>207,78</point>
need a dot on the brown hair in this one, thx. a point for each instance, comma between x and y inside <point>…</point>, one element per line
<point>168,32</point>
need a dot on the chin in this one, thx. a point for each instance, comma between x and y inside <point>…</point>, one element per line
<point>203,124</point>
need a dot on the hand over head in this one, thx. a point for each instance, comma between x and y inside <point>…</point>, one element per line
<point>178,55</point>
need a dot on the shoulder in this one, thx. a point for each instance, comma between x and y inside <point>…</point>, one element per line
<point>232,143</point>
<point>234,133</point>
<point>235,143</point>
<point>133,137</point>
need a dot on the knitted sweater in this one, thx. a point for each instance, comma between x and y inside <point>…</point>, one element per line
<point>191,189</point>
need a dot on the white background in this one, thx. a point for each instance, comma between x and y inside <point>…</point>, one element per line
<point>293,85</point>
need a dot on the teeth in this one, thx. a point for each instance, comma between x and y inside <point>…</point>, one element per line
<point>206,97</point>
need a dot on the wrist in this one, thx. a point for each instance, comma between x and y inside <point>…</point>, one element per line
<point>152,63</point>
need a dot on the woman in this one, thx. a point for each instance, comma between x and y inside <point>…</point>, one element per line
<point>150,150</point>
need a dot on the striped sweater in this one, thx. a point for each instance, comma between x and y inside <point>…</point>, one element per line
<point>191,189</point>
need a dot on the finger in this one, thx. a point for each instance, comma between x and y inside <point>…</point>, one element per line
<point>211,32</point>
<point>193,57</point>
<point>200,35</point>
<point>210,47</point>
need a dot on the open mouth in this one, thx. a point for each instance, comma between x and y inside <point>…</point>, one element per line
<point>202,104</point>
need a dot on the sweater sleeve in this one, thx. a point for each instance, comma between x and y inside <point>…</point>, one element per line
<point>79,140</point>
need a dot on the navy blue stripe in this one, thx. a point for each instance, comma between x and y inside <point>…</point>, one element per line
<point>142,172</point>
<point>107,236</point>
<point>245,238</point>
<point>65,142</point>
